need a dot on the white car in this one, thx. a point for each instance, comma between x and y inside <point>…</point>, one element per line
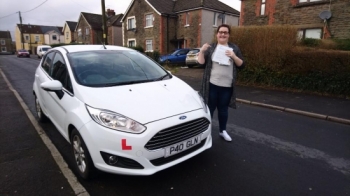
<point>120,111</point>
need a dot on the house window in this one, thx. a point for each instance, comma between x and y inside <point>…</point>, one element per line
<point>149,45</point>
<point>3,49</point>
<point>54,37</point>
<point>27,37</point>
<point>67,35</point>
<point>131,43</point>
<point>310,33</point>
<point>149,20</point>
<point>262,8</point>
<point>131,23</point>
<point>219,19</point>
<point>79,32</point>
<point>37,38</point>
<point>187,19</point>
<point>2,42</point>
<point>87,31</point>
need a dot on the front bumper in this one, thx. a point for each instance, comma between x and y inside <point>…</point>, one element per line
<point>132,146</point>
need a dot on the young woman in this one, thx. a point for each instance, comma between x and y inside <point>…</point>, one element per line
<point>218,84</point>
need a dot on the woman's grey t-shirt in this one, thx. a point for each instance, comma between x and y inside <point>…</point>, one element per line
<point>221,75</point>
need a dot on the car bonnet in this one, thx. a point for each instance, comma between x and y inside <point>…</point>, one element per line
<point>146,102</point>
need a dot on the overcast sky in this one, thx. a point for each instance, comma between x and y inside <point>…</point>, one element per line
<point>56,12</point>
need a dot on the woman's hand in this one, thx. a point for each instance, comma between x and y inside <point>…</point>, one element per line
<point>230,53</point>
<point>204,47</point>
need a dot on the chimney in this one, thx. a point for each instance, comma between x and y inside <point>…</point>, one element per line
<point>110,13</point>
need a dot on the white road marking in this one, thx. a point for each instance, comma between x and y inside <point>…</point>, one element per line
<point>72,179</point>
<point>338,164</point>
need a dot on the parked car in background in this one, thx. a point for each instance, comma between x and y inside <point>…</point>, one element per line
<point>41,50</point>
<point>23,53</point>
<point>178,56</point>
<point>120,111</point>
<point>192,57</point>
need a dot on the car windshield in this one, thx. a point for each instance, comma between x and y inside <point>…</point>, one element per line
<point>194,51</point>
<point>112,68</point>
<point>45,49</point>
<point>22,50</point>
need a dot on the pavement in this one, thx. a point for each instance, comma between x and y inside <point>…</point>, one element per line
<point>30,167</point>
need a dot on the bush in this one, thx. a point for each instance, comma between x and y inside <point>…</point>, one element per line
<point>138,48</point>
<point>343,44</point>
<point>271,45</point>
<point>310,42</point>
<point>154,55</point>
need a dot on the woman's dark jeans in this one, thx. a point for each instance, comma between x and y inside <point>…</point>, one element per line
<point>219,97</point>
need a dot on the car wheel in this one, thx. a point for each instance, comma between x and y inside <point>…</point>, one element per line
<point>42,117</point>
<point>189,66</point>
<point>167,62</point>
<point>82,159</point>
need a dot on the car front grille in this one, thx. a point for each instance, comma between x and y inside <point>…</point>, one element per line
<point>178,133</point>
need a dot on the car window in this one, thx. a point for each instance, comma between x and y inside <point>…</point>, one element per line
<point>108,68</point>
<point>45,49</point>
<point>182,52</point>
<point>46,65</point>
<point>59,72</point>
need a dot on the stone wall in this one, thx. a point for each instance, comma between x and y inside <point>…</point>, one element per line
<point>303,15</point>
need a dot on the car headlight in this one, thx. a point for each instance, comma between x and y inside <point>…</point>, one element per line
<point>203,103</point>
<point>115,121</point>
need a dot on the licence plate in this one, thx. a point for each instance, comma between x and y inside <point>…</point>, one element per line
<point>182,146</point>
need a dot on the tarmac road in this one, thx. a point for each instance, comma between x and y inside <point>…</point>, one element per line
<point>272,153</point>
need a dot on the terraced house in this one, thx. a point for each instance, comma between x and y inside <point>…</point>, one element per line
<point>35,35</point>
<point>165,25</point>
<point>6,45</point>
<point>89,28</point>
<point>314,18</point>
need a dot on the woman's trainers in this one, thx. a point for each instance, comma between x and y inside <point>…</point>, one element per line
<point>225,136</point>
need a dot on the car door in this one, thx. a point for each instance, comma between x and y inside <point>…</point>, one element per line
<point>59,106</point>
<point>43,75</point>
<point>181,56</point>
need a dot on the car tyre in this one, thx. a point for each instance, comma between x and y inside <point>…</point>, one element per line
<point>82,160</point>
<point>190,66</point>
<point>167,62</point>
<point>39,112</point>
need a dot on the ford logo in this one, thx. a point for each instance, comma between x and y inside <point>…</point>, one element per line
<point>183,117</point>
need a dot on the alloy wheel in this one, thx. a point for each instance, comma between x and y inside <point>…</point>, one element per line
<point>79,154</point>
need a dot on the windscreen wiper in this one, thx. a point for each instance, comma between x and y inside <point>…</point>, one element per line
<point>127,83</point>
<point>161,78</point>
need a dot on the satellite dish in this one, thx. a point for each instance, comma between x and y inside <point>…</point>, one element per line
<point>325,15</point>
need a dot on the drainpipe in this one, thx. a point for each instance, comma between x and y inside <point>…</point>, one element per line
<point>167,33</point>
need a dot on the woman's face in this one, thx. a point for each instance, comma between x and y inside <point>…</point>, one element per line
<point>223,35</point>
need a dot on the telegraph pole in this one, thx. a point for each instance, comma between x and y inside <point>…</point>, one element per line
<point>104,27</point>
<point>20,20</point>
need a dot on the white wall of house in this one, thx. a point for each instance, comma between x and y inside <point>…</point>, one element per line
<point>53,37</point>
<point>209,25</point>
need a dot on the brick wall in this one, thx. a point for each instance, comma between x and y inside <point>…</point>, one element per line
<point>303,15</point>
<point>189,32</point>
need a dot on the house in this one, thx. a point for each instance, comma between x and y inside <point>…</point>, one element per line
<point>314,18</point>
<point>29,36</point>
<point>165,25</point>
<point>6,44</point>
<point>69,32</point>
<point>53,37</point>
<point>114,24</point>
<point>89,28</point>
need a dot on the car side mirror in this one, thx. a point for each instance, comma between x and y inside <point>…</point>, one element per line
<point>53,86</point>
